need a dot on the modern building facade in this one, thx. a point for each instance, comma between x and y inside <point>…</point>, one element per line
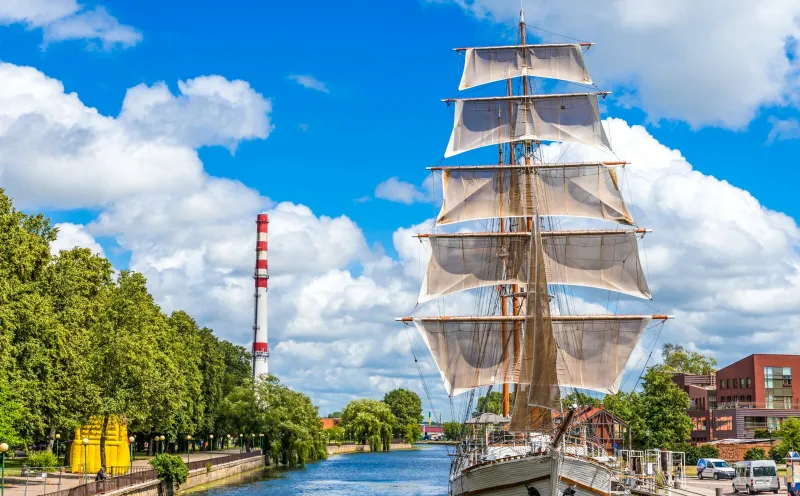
<point>754,394</point>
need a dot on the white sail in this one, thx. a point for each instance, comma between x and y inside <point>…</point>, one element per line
<point>592,353</point>
<point>590,350</point>
<point>470,354</point>
<point>486,65</point>
<point>571,118</point>
<point>589,190</point>
<point>599,259</point>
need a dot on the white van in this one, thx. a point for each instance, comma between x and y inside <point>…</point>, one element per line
<point>714,467</point>
<point>756,476</point>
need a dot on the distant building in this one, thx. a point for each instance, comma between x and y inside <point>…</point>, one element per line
<point>330,423</point>
<point>755,393</point>
<point>603,426</point>
<point>432,431</point>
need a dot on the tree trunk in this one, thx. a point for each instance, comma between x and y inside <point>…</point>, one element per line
<point>103,442</point>
<point>51,438</point>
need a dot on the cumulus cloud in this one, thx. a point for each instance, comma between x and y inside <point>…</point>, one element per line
<point>393,189</point>
<point>310,82</point>
<point>714,62</point>
<point>72,235</point>
<point>77,158</point>
<point>62,20</point>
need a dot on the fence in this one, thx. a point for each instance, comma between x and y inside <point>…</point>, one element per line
<point>141,474</point>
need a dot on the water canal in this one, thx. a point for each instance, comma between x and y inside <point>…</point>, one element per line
<point>421,472</point>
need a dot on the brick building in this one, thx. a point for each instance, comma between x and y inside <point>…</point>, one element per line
<point>755,393</point>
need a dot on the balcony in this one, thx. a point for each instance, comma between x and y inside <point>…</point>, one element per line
<point>762,405</point>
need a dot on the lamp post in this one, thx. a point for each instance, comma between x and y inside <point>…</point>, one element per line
<point>211,444</point>
<point>85,467</point>
<point>188,445</point>
<point>162,439</point>
<point>3,449</point>
<point>261,442</point>
<point>130,446</point>
<point>228,436</point>
<point>58,436</point>
<point>241,440</point>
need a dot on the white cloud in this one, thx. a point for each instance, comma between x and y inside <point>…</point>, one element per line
<point>72,235</point>
<point>393,189</point>
<point>783,129</point>
<point>77,158</point>
<point>310,82</point>
<point>714,62</point>
<point>63,20</point>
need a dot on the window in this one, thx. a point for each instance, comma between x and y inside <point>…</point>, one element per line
<point>748,383</point>
<point>728,383</point>
<point>735,384</point>
<point>778,387</point>
<point>765,471</point>
<point>722,384</point>
<point>723,423</point>
<point>749,398</point>
<point>741,383</point>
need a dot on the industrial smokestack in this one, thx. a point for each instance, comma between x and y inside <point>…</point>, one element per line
<point>261,276</point>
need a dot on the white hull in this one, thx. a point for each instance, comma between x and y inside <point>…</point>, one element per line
<point>513,477</point>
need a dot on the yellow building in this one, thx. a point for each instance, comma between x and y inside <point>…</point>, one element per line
<point>118,453</point>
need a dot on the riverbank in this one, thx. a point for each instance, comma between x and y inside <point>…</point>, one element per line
<point>363,448</point>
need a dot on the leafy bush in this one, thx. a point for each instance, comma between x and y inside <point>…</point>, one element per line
<point>412,433</point>
<point>170,468</point>
<point>755,454</point>
<point>42,459</point>
<point>692,453</point>
<point>708,451</point>
<point>761,433</point>
<point>778,453</point>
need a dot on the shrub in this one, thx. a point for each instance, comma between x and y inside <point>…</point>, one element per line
<point>170,468</point>
<point>761,433</point>
<point>755,454</point>
<point>778,453</point>
<point>412,433</point>
<point>692,453</point>
<point>708,451</point>
<point>42,459</point>
<point>208,467</point>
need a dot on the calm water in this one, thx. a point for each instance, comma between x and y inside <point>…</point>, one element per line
<point>420,472</point>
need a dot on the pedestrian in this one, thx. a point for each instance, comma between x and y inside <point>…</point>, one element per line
<point>101,475</point>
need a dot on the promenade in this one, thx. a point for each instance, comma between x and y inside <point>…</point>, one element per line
<point>36,485</point>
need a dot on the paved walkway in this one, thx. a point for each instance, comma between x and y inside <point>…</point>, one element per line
<point>39,486</point>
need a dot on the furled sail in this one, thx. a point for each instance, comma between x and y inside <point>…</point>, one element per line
<point>599,259</point>
<point>486,65</point>
<point>571,118</point>
<point>581,190</point>
<point>592,353</point>
<point>470,354</point>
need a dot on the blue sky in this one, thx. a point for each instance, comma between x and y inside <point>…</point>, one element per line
<point>381,69</point>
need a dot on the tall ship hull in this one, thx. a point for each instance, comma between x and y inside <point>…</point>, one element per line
<point>522,266</point>
<point>517,476</point>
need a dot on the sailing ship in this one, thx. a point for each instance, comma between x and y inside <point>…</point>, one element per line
<point>526,332</point>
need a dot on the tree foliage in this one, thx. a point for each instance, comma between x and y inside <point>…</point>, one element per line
<point>679,359</point>
<point>657,416</point>
<point>78,341</point>
<point>789,433</point>
<point>755,454</point>
<point>406,407</point>
<point>369,422</point>
<point>453,430</point>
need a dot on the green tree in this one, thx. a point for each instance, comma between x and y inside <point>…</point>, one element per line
<point>369,421</point>
<point>761,433</point>
<point>412,433</point>
<point>334,415</point>
<point>789,433</point>
<point>580,399</point>
<point>755,454</point>
<point>490,403</point>
<point>335,434</point>
<point>708,451</point>
<point>406,408</point>
<point>453,430</point>
<point>679,359</point>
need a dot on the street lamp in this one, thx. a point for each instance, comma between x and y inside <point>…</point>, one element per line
<point>85,467</point>
<point>130,445</point>
<point>241,440</point>
<point>58,436</point>
<point>212,444</point>
<point>3,449</point>
<point>162,439</point>
<point>229,440</point>
<point>188,444</point>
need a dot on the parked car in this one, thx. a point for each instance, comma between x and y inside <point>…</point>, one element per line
<point>714,467</point>
<point>756,476</point>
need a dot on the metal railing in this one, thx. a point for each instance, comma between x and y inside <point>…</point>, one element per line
<point>140,474</point>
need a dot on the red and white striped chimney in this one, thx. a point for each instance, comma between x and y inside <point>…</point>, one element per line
<point>261,275</point>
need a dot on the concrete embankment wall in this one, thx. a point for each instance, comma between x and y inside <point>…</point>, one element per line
<point>196,477</point>
<point>358,448</point>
